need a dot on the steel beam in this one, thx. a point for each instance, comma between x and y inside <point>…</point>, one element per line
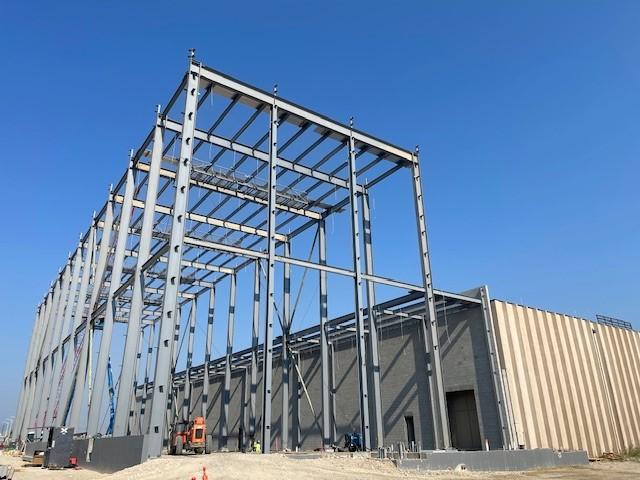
<point>61,361</point>
<point>97,394</point>
<point>129,369</point>
<point>373,321</point>
<point>226,392</point>
<point>267,363</point>
<point>162,380</point>
<point>207,352</point>
<point>496,370</point>
<point>186,399</point>
<point>85,354</point>
<point>284,353</point>
<point>430,322</point>
<point>147,373</point>
<point>324,342</point>
<point>357,268</point>
<point>255,330</point>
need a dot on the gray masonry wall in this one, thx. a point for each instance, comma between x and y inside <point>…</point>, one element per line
<point>404,387</point>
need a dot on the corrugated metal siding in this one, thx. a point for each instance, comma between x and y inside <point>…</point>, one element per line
<point>570,388</point>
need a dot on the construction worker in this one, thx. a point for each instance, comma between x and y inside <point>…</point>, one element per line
<point>256,447</point>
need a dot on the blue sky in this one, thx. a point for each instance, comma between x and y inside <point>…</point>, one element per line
<point>526,113</point>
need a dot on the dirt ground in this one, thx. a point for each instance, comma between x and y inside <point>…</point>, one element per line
<point>286,467</point>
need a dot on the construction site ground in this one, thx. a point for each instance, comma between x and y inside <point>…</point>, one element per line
<point>312,467</point>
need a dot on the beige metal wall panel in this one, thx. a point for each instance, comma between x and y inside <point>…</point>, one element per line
<point>572,383</point>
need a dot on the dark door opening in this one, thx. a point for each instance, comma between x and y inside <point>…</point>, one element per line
<point>411,432</point>
<point>463,420</point>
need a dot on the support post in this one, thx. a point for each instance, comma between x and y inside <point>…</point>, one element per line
<point>147,372</point>
<point>362,349</point>
<point>373,321</point>
<point>286,320</point>
<point>62,358</point>
<point>126,392</point>
<point>70,373</point>
<point>162,381</point>
<point>430,322</point>
<point>97,393</point>
<point>226,394</point>
<point>85,355</point>
<point>496,368</point>
<point>255,329</point>
<point>324,341</point>
<point>186,400</point>
<point>207,353</point>
<point>267,363</point>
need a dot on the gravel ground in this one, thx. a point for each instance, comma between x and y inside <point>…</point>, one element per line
<point>312,467</point>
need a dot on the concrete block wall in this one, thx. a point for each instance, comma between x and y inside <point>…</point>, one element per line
<point>404,387</point>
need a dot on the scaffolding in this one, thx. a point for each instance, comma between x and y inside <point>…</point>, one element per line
<point>228,179</point>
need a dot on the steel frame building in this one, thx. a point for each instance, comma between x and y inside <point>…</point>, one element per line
<point>198,222</point>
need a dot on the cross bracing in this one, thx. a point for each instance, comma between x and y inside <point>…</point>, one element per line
<point>229,178</point>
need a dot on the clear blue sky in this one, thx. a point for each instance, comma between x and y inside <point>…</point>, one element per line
<point>528,114</point>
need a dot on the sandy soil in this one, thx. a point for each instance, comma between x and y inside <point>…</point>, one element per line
<point>288,467</point>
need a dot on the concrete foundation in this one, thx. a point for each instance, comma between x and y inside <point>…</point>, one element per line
<point>494,460</point>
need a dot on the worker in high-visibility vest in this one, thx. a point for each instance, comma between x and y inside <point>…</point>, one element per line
<point>256,447</point>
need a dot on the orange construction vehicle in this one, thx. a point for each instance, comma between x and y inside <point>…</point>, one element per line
<point>190,436</point>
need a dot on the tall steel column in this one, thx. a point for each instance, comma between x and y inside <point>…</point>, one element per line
<point>226,393</point>
<point>186,399</point>
<point>255,330</point>
<point>430,322</point>
<point>129,365</point>
<point>47,363</point>
<point>207,352</point>
<point>267,363</point>
<point>284,353</point>
<point>147,370</point>
<point>324,341</point>
<point>16,433</point>
<point>97,393</point>
<point>85,354</point>
<point>373,320</point>
<point>55,354</point>
<point>496,369</point>
<point>162,381</point>
<point>54,397</point>
<point>357,268</point>
<point>68,376</point>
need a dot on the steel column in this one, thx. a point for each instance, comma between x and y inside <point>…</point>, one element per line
<point>284,352</point>
<point>207,352</point>
<point>85,354</point>
<point>129,365</point>
<point>496,369</point>
<point>147,370</point>
<point>255,330</point>
<point>362,349</point>
<point>373,320</point>
<point>186,401</point>
<point>16,433</point>
<point>430,322</point>
<point>52,408</point>
<point>162,381</point>
<point>97,393</point>
<point>267,363</point>
<point>226,394</point>
<point>68,376</point>
<point>324,342</point>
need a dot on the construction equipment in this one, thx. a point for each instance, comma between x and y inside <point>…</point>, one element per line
<point>353,441</point>
<point>190,436</point>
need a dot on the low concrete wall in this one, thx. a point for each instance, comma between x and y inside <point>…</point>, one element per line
<point>495,460</point>
<point>109,454</point>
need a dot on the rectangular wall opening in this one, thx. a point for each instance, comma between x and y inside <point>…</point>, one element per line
<point>463,420</point>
